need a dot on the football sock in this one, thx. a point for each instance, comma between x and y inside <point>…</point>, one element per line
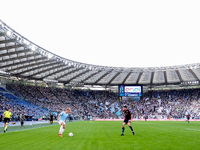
<point>6,127</point>
<point>131,128</point>
<point>60,131</point>
<point>123,130</point>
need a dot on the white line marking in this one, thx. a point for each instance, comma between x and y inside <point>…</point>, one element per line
<point>35,128</point>
<point>192,129</point>
<point>28,129</point>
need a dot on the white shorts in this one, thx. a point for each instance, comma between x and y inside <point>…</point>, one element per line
<point>61,122</point>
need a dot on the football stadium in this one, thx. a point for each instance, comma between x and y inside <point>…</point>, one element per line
<point>51,102</point>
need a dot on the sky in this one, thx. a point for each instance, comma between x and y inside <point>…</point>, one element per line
<point>118,33</point>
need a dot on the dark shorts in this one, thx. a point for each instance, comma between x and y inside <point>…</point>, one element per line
<point>22,121</point>
<point>126,120</point>
<point>6,120</point>
<point>188,118</point>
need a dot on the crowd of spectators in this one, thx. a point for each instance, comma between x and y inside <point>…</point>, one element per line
<point>106,104</point>
<point>18,107</point>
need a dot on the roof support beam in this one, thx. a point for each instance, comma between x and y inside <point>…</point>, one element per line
<point>54,72</point>
<point>30,65</point>
<point>102,77</point>
<point>138,79</point>
<point>113,78</point>
<point>90,76</point>
<point>18,63</point>
<point>68,73</point>
<point>165,76</point>
<point>152,75</point>
<point>12,53</point>
<point>192,72</point>
<point>21,57</point>
<point>179,75</point>
<point>76,76</point>
<point>126,77</point>
<point>7,41</point>
<point>10,47</point>
<point>44,71</point>
<point>35,68</point>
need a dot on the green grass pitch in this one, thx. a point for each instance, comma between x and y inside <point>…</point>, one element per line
<point>105,135</point>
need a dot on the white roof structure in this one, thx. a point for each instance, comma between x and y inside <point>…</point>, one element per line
<point>21,58</point>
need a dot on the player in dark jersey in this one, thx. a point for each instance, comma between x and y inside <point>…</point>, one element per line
<point>51,118</point>
<point>145,117</point>
<point>128,118</point>
<point>188,118</point>
<point>22,117</point>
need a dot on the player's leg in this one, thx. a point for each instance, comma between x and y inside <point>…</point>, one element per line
<point>22,123</point>
<point>188,121</point>
<point>62,128</point>
<point>5,124</point>
<point>4,127</point>
<point>129,124</point>
<point>123,125</point>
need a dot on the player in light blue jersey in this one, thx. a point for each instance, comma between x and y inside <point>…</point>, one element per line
<point>62,120</point>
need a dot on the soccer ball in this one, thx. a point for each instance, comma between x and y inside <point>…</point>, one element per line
<point>70,134</point>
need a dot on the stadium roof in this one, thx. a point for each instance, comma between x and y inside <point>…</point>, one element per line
<point>22,58</point>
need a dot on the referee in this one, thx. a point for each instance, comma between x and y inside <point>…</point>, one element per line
<point>7,117</point>
<point>22,117</point>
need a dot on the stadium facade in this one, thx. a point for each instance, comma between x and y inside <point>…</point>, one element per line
<point>21,59</point>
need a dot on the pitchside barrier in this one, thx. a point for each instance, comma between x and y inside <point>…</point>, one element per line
<point>147,119</point>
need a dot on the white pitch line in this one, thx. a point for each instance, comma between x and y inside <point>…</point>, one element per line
<point>192,129</point>
<point>28,129</point>
<point>37,127</point>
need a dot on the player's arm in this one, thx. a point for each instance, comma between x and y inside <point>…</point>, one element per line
<point>59,117</point>
<point>11,118</point>
<point>65,120</point>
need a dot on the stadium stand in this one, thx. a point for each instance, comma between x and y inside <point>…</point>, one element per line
<point>101,104</point>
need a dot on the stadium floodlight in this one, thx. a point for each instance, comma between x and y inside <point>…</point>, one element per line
<point>33,48</point>
<point>26,42</point>
<point>8,33</point>
<point>49,56</point>
<point>19,39</point>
